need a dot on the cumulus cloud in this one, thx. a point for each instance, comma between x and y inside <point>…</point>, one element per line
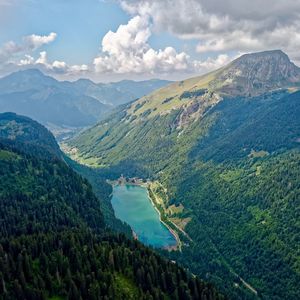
<point>212,63</point>
<point>14,56</point>
<point>221,30</point>
<point>58,67</point>
<point>124,52</point>
<point>27,60</point>
<point>10,50</point>
<point>226,25</point>
<point>127,51</point>
<point>36,41</point>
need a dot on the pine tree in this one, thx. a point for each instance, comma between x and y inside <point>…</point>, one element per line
<point>73,292</point>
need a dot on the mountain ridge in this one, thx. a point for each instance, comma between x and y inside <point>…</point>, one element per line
<point>66,107</point>
<point>35,76</point>
<point>240,78</point>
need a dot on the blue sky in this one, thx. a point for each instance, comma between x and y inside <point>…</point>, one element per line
<point>80,25</point>
<point>115,39</point>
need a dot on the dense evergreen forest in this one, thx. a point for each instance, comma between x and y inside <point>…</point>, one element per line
<point>103,191</point>
<point>77,264</point>
<point>54,242</point>
<point>236,172</point>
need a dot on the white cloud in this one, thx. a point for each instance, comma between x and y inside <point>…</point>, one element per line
<point>10,50</point>
<point>220,28</point>
<point>14,56</point>
<point>79,68</point>
<point>28,60</point>
<point>212,63</point>
<point>36,41</point>
<point>59,67</point>
<point>226,25</point>
<point>42,59</point>
<point>127,51</point>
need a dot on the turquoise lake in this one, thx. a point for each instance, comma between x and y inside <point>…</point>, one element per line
<point>132,205</point>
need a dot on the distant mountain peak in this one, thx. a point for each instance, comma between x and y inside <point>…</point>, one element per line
<point>31,72</point>
<point>26,78</point>
<point>84,80</point>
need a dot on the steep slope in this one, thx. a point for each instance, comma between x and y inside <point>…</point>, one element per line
<point>53,242</point>
<point>33,139</point>
<point>249,75</point>
<point>30,135</point>
<point>34,177</point>
<point>230,159</point>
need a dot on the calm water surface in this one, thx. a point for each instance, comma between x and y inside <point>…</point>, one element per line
<point>132,205</point>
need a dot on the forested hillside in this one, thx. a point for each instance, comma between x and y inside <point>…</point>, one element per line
<point>103,191</point>
<point>54,242</point>
<point>28,135</point>
<point>230,158</point>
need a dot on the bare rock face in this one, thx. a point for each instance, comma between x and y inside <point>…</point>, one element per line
<point>196,109</point>
<point>253,74</point>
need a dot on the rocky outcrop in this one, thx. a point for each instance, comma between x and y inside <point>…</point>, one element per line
<point>196,109</point>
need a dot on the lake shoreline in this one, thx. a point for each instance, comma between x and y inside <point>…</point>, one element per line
<point>146,185</point>
<point>173,232</point>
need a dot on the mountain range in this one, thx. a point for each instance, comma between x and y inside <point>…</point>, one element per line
<point>225,147</point>
<point>62,105</point>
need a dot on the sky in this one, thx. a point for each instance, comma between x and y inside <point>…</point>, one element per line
<point>111,40</point>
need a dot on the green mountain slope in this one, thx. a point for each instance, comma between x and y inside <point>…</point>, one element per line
<point>26,133</point>
<point>53,238</point>
<point>249,75</point>
<point>39,191</point>
<point>19,132</point>
<point>226,147</point>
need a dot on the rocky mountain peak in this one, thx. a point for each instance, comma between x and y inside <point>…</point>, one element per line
<point>255,73</point>
<point>269,65</point>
